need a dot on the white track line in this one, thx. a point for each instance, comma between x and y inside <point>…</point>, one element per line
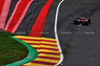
<point>56,35</point>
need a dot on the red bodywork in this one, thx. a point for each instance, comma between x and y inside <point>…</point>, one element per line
<point>82,19</point>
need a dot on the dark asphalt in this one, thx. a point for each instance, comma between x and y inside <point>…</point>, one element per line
<point>30,17</point>
<point>80,44</point>
<point>48,30</point>
<point>12,6</point>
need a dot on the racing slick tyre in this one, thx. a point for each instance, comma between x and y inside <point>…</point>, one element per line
<point>83,23</point>
<point>89,21</point>
<point>86,24</point>
<point>75,22</point>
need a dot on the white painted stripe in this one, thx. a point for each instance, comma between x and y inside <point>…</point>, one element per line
<point>56,35</point>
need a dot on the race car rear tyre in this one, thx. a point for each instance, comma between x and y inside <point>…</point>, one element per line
<point>86,24</point>
<point>89,21</point>
<point>75,21</point>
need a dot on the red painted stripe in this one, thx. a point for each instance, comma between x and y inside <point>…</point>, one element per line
<point>1,5</point>
<point>28,39</point>
<point>34,43</point>
<point>17,15</point>
<point>48,58</point>
<point>49,53</point>
<point>47,48</point>
<point>49,41</point>
<point>40,21</point>
<point>4,9</point>
<point>45,63</point>
<point>37,40</point>
<point>42,44</point>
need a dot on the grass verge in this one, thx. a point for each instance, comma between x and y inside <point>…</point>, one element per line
<point>10,50</point>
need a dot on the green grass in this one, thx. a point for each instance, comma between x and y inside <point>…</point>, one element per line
<point>10,50</point>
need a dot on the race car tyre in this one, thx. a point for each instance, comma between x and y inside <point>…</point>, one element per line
<point>75,22</point>
<point>83,23</point>
<point>86,24</point>
<point>89,21</point>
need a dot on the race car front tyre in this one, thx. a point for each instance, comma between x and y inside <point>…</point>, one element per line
<point>86,24</point>
<point>89,21</point>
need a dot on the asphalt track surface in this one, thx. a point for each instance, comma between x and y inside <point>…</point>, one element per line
<point>32,14</point>
<point>12,6</point>
<point>80,44</point>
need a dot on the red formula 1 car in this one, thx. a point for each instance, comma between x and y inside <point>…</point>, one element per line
<point>82,20</point>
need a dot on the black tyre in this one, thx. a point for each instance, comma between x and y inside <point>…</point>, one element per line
<point>79,22</point>
<point>75,21</point>
<point>83,23</point>
<point>89,21</point>
<point>86,24</point>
